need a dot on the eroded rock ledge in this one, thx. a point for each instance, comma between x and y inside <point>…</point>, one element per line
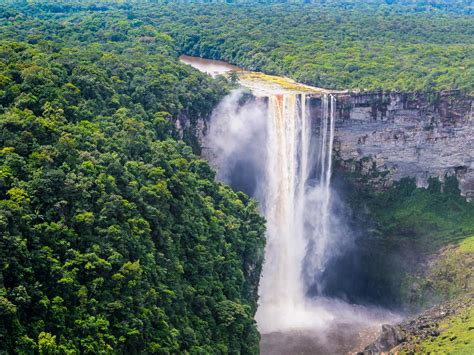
<point>390,136</point>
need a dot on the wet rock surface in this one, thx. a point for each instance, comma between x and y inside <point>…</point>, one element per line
<point>391,336</point>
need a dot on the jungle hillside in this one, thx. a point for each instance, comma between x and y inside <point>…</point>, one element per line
<point>114,236</point>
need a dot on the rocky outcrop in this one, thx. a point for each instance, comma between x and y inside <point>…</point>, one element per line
<point>191,130</point>
<point>441,329</point>
<point>390,337</point>
<point>407,135</point>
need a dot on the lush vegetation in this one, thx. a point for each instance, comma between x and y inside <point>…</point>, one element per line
<point>114,237</point>
<point>445,329</point>
<point>403,227</point>
<point>408,45</point>
<point>448,274</point>
<point>365,45</point>
<point>438,212</point>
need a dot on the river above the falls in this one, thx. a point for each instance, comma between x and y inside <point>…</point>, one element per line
<point>209,66</point>
<point>260,84</point>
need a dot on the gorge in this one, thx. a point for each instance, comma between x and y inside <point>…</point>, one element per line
<point>275,149</point>
<point>307,189</point>
<point>278,145</point>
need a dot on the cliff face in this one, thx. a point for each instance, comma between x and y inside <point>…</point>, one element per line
<point>406,135</point>
<point>386,137</point>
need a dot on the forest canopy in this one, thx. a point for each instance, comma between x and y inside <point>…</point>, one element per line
<point>114,236</point>
<point>393,45</point>
<point>337,45</point>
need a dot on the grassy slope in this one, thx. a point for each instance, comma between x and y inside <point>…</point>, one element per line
<point>450,331</point>
<point>402,229</point>
<point>449,274</point>
<point>456,335</point>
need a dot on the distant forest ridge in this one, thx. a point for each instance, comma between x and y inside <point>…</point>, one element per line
<point>413,46</point>
<point>454,6</point>
<point>329,46</point>
<point>457,6</point>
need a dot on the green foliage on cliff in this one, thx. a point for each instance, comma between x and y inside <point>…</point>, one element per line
<point>404,227</point>
<point>447,275</point>
<point>438,214</point>
<point>114,236</point>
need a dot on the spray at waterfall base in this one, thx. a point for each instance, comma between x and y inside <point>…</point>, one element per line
<point>278,149</point>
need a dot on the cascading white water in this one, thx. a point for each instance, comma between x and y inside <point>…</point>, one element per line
<point>270,149</point>
<point>281,286</point>
<point>297,209</point>
<point>318,197</point>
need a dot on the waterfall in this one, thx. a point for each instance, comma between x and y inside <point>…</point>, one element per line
<point>278,149</point>
<point>297,209</point>
<point>318,198</point>
<point>271,149</point>
<point>281,286</point>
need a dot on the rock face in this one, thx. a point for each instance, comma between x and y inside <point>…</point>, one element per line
<point>407,135</point>
<point>388,136</point>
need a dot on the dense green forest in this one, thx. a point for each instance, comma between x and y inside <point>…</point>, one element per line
<point>422,45</point>
<point>363,47</point>
<point>114,236</point>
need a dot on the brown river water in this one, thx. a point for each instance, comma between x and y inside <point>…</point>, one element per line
<point>209,66</point>
<point>261,85</point>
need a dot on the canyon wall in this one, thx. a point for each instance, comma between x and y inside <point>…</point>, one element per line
<point>391,136</point>
<point>388,136</point>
